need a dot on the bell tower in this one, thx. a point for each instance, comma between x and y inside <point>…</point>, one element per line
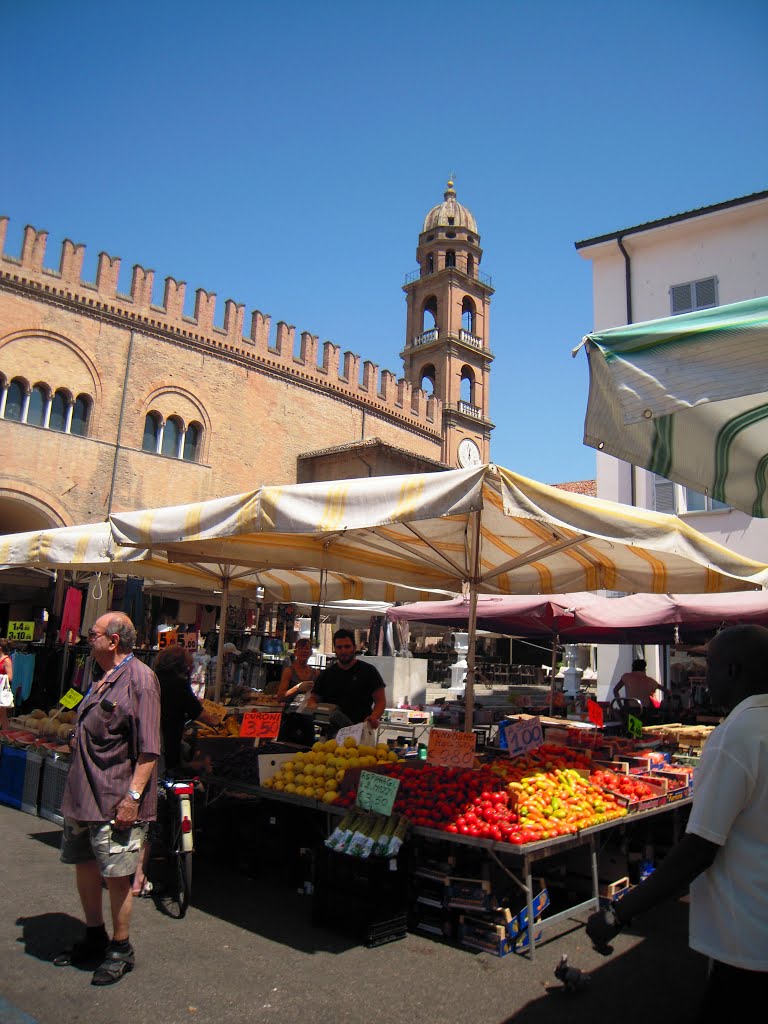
<point>447,334</point>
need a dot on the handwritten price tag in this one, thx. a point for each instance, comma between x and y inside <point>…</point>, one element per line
<point>451,749</point>
<point>377,792</point>
<point>71,699</point>
<point>217,711</point>
<point>167,638</point>
<point>523,735</point>
<point>634,727</point>
<point>262,725</point>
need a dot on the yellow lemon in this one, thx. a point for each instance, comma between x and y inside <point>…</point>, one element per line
<point>330,746</point>
<point>267,784</point>
<point>330,772</point>
<point>299,757</point>
<point>290,788</point>
<point>350,741</point>
<point>331,786</point>
<point>319,745</point>
<point>353,762</point>
<point>279,786</point>
<point>300,779</point>
<point>392,756</point>
<point>339,774</point>
<point>329,797</point>
<point>319,793</point>
<point>309,769</point>
<point>288,776</point>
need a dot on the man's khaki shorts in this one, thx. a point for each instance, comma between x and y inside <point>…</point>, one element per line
<point>117,851</point>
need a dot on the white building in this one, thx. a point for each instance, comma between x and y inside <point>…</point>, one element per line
<point>707,257</point>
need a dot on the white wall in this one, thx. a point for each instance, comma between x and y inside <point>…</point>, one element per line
<point>730,245</point>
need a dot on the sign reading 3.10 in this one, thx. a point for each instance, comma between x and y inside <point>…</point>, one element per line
<point>21,630</point>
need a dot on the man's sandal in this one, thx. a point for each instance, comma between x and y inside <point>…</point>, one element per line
<point>82,954</point>
<point>115,965</point>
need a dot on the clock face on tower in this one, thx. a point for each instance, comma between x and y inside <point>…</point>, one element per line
<point>468,453</point>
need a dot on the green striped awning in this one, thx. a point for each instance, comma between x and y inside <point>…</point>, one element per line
<point>687,397</point>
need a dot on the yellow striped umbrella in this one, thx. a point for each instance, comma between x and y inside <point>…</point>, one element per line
<point>484,529</point>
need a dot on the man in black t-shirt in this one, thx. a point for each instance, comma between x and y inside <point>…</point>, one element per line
<point>355,687</point>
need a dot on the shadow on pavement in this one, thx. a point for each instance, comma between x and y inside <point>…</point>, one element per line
<point>45,935</point>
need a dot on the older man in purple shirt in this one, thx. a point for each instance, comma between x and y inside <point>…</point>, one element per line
<point>110,794</point>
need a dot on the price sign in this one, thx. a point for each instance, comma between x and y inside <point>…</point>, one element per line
<point>21,630</point>
<point>634,727</point>
<point>451,749</point>
<point>595,713</point>
<point>217,711</point>
<point>355,731</point>
<point>71,699</point>
<point>167,638</point>
<point>262,725</point>
<point>189,640</point>
<point>523,735</point>
<point>377,792</point>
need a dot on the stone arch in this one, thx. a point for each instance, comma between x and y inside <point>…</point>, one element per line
<point>29,506</point>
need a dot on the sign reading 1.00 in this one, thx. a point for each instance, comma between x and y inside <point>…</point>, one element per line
<point>21,630</point>
<point>522,735</point>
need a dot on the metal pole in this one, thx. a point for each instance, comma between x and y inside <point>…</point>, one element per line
<point>553,670</point>
<point>469,686</point>
<point>222,636</point>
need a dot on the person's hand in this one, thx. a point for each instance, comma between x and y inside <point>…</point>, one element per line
<point>373,721</point>
<point>602,928</point>
<point>126,812</point>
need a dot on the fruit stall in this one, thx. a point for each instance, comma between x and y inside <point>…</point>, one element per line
<point>480,850</point>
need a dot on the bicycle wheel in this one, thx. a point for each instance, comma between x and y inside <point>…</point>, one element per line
<point>183,880</point>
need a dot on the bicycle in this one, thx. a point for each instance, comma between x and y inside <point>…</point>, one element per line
<point>175,839</point>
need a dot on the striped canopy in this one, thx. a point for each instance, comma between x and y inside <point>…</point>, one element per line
<point>485,528</point>
<point>91,548</point>
<point>687,397</point>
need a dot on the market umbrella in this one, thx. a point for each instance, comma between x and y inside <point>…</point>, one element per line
<point>687,397</point>
<point>91,548</point>
<point>483,529</point>
<point>589,618</point>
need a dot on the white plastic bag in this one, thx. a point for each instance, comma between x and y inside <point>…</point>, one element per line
<point>6,692</point>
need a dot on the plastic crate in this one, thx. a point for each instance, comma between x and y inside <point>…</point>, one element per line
<point>12,769</point>
<point>33,773</point>
<point>54,777</point>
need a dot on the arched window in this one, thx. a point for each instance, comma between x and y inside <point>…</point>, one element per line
<point>429,314</point>
<point>38,403</point>
<point>430,264</point>
<point>450,258</point>
<point>192,442</point>
<point>428,379</point>
<point>468,315</point>
<point>172,437</point>
<point>470,266</point>
<point>152,426</point>
<point>59,410</point>
<point>467,385</point>
<point>14,403</point>
<point>80,413</point>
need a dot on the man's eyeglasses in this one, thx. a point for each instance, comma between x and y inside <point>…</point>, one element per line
<point>93,633</point>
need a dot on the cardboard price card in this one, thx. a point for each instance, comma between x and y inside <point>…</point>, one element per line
<point>451,749</point>
<point>20,631</point>
<point>217,711</point>
<point>262,725</point>
<point>377,792</point>
<point>523,735</point>
<point>71,699</point>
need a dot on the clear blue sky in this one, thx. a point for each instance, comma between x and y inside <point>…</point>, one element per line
<point>284,154</point>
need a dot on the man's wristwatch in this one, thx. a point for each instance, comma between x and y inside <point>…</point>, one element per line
<point>134,794</point>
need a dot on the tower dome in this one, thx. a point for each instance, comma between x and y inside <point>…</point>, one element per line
<point>449,213</point>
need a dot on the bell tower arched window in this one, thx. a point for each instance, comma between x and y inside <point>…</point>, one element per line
<point>467,385</point>
<point>172,437</point>
<point>38,405</point>
<point>59,408</point>
<point>429,314</point>
<point>192,442</point>
<point>428,377</point>
<point>450,258</point>
<point>468,315</point>
<point>14,402</point>
<point>151,440</point>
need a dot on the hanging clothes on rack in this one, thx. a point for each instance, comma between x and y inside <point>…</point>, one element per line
<point>23,673</point>
<point>133,600</point>
<point>70,617</point>
<point>97,602</point>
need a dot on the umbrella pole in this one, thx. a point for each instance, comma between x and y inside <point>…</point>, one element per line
<point>553,671</point>
<point>469,686</point>
<point>222,637</point>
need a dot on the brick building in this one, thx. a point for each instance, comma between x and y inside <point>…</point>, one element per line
<point>108,402</point>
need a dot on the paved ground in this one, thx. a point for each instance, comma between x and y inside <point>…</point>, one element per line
<point>246,952</point>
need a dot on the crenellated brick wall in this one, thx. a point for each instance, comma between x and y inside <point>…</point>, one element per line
<point>323,366</point>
